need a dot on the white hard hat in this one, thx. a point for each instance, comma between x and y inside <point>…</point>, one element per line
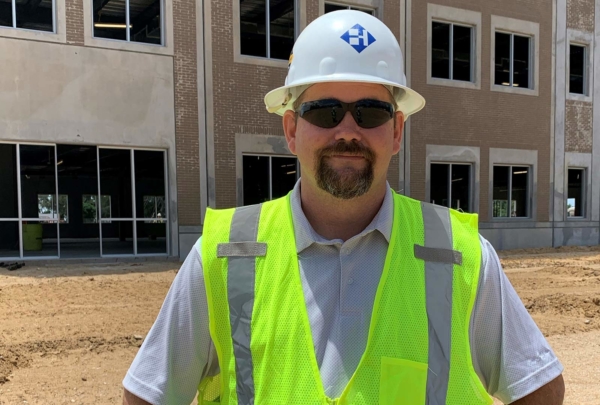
<point>345,46</point>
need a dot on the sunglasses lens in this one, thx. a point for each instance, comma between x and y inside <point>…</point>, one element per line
<point>325,116</point>
<point>371,117</point>
<point>328,113</point>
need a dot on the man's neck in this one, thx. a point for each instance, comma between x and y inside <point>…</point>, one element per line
<point>335,218</point>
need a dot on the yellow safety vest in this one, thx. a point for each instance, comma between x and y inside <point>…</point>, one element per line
<point>417,350</point>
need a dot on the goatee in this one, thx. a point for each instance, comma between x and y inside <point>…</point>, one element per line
<point>348,182</point>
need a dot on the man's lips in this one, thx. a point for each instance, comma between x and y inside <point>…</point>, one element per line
<point>349,157</point>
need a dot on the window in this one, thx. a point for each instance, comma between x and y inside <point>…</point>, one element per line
<point>576,193</point>
<point>268,177</point>
<point>31,15</point>
<point>453,47</point>
<point>578,69</point>
<point>90,208</point>
<point>451,51</point>
<point>451,185</point>
<point>47,207</point>
<point>154,207</point>
<point>129,20</point>
<point>513,60</point>
<point>329,7</point>
<point>267,28</point>
<point>511,183</point>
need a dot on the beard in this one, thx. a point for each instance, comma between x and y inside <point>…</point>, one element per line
<point>348,182</point>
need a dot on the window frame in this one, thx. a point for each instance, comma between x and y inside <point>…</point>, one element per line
<point>522,28</point>
<point>257,145</point>
<point>271,156</point>
<point>375,5</point>
<point>238,57</point>
<point>514,157</point>
<point>155,197</point>
<point>510,188</point>
<point>463,18</point>
<point>14,18</point>
<point>98,207</point>
<point>583,39</point>
<point>351,7</point>
<point>456,155</point>
<point>167,47</point>
<point>577,160</point>
<point>58,33</point>
<point>128,23</point>
<point>470,180</point>
<point>57,207</point>
<point>583,193</point>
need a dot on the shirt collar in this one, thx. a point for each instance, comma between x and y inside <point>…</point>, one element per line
<point>306,235</point>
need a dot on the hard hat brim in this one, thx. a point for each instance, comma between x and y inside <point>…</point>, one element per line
<point>408,100</point>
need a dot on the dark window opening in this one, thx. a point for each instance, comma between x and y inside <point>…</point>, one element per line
<point>35,15</point>
<point>145,20</point>
<point>577,69</point>
<point>38,177</point>
<point>267,178</point>
<point>329,7</point>
<point>576,193</point>
<point>512,60</point>
<point>451,51</point>
<point>9,204</point>
<point>440,50</point>
<point>451,186</point>
<point>267,28</point>
<point>511,191</point>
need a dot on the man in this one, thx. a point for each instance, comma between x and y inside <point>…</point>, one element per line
<point>343,292</point>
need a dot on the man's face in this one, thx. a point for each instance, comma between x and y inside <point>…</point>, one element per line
<point>345,160</point>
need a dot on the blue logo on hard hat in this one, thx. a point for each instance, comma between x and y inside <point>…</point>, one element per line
<point>358,37</point>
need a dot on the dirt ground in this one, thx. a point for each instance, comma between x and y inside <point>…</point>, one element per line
<point>69,332</point>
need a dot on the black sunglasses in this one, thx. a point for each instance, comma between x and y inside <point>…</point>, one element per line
<point>328,113</point>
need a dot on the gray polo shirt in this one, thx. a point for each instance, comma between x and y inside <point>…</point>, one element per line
<point>339,279</point>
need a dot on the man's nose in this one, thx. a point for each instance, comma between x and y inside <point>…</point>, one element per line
<point>347,130</point>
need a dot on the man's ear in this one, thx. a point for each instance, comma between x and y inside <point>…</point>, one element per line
<point>290,123</point>
<point>398,128</point>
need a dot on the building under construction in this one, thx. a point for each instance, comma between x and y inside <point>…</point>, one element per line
<point>121,121</point>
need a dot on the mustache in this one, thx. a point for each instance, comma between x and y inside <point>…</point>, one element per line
<point>347,148</point>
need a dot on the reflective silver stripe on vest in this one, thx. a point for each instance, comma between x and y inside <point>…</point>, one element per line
<point>240,289</point>
<point>438,290</point>
<point>438,255</point>
<point>243,249</point>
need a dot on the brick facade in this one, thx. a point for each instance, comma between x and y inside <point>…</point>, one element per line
<point>578,127</point>
<point>74,11</point>
<point>483,118</point>
<point>186,112</point>
<point>580,15</point>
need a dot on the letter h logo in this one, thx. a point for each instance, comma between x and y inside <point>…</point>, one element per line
<point>358,38</point>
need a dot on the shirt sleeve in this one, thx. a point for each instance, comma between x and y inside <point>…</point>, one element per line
<point>510,354</point>
<point>177,352</point>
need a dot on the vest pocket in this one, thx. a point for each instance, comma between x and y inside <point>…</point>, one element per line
<point>402,382</point>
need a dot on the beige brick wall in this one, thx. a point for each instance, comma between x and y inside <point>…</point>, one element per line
<point>580,15</point>
<point>74,11</point>
<point>578,126</point>
<point>483,118</point>
<point>186,112</point>
<point>238,101</point>
<point>238,96</point>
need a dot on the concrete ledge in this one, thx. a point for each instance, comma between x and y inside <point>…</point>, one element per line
<point>197,229</point>
<point>514,224</point>
<point>581,236</point>
<point>520,238</point>
<point>95,260</point>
